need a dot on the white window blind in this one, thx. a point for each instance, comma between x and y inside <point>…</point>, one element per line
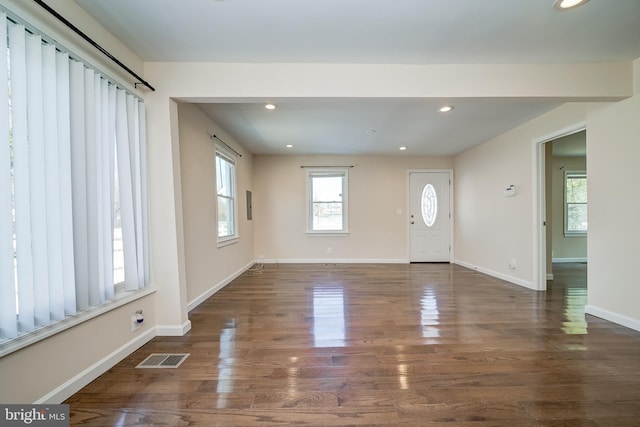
<point>72,185</point>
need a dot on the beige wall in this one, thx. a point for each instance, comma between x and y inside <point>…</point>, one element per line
<point>57,366</point>
<point>491,229</point>
<point>207,265</point>
<point>377,189</point>
<point>614,202</point>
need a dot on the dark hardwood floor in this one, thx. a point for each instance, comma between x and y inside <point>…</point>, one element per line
<point>376,345</point>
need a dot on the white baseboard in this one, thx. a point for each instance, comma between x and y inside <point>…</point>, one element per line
<point>173,330</point>
<point>335,261</point>
<point>66,390</point>
<point>613,317</point>
<point>201,298</point>
<point>496,274</point>
<point>566,260</point>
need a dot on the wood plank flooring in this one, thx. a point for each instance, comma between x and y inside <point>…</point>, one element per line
<point>381,345</point>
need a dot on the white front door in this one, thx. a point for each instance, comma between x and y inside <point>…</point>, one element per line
<point>429,216</point>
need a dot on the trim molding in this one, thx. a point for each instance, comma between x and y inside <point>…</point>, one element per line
<point>613,317</point>
<point>73,385</point>
<point>549,276</point>
<point>201,298</point>
<point>173,330</point>
<point>334,261</point>
<point>497,275</point>
<point>566,260</point>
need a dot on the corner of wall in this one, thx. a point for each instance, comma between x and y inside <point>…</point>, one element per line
<point>636,76</point>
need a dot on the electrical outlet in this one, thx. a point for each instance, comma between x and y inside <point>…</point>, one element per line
<point>512,264</point>
<point>136,320</point>
<point>329,250</point>
<point>134,323</point>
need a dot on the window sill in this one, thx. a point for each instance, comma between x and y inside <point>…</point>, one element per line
<point>575,234</point>
<point>327,233</point>
<point>25,340</point>
<point>228,241</point>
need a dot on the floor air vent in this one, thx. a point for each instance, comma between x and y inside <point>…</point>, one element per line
<point>156,360</point>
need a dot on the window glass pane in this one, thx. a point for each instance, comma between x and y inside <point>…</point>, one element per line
<point>118,247</point>
<point>576,189</point>
<point>429,205</point>
<point>327,216</point>
<point>575,202</point>
<point>225,217</point>
<point>225,184</point>
<point>327,201</point>
<point>327,189</point>
<point>225,176</point>
<point>577,217</point>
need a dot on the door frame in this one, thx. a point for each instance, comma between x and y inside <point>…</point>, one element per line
<point>408,209</point>
<point>539,202</point>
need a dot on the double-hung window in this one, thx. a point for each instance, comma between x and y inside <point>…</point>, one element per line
<point>226,195</point>
<point>575,209</point>
<point>327,201</point>
<point>72,188</point>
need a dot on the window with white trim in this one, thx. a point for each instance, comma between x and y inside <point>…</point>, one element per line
<point>72,187</point>
<point>575,207</point>
<point>226,195</point>
<point>327,191</point>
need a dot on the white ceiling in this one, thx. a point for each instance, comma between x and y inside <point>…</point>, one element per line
<point>374,32</point>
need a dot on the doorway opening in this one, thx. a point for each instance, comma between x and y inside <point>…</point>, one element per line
<point>555,215</point>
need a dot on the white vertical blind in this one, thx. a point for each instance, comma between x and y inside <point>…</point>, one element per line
<point>8,309</point>
<point>63,111</point>
<point>143,243</point>
<point>79,183</point>
<point>37,182</point>
<point>52,178</point>
<point>61,125</point>
<point>22,199</point>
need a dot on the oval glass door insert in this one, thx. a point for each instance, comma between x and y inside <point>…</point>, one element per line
<point>429,205</point>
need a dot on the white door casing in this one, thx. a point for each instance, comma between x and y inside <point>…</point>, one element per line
<point>430,216</point>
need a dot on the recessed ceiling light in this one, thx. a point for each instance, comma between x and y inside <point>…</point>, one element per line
<point>445,108</point>
<point>289,146</point>
<point>370,131</point>
<point>402,148</point>
<point>270,107</point>
<point>568,4</point>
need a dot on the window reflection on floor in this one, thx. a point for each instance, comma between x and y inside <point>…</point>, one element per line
<point>570,279</point>
<point>575,322</point>
<point>328,317</point>
<point>226,363</point>
<point>429,314</point>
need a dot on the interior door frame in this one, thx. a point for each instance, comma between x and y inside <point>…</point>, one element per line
<point>408,209</point>
<point>540,203</point>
